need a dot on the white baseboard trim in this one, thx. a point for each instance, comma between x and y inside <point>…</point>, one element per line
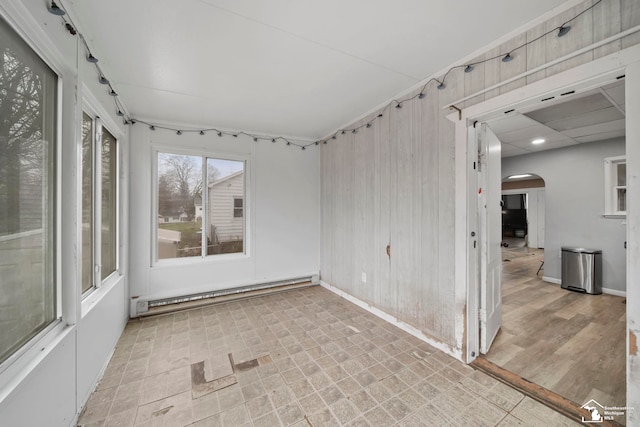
<point>552,280</point>
<point>604,290</point>
<point>614,292</point>
<point>394,321</point>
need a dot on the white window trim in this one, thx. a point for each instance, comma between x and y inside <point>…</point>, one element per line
<point>156,148</point>
<point>19,364</point>
<point>93,108</point>
<point>610,194</point>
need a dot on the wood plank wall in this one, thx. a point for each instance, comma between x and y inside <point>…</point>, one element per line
<point>393,184</point>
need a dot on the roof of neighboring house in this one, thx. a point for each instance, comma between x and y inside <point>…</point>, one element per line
<point>197,201</point>
<point>226,178</point>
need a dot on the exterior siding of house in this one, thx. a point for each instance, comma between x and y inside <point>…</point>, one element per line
<point>221,198</point>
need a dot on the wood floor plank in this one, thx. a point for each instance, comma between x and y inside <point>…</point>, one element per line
<point>570,343</point>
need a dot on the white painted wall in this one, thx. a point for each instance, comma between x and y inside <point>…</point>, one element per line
<point>574,186</point>
<point>50,382</point>
<point>281,209</point>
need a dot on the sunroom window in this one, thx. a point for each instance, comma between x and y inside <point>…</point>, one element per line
<point>28,91</point>
<point>200,208</point>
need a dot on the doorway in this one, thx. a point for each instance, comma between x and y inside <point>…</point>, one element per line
<point>542,348</point>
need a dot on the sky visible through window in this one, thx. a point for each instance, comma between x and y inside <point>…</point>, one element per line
<point>226,167</point>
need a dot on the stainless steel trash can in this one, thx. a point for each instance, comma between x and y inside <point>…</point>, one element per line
<point>582,270</point>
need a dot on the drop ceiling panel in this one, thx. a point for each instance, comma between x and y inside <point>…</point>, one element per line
<point>581,118</point>
<point>511,122</point>
<point>571,108</point>
<point>616,125</point>
<point>551,139</point>
<point>593,117</point>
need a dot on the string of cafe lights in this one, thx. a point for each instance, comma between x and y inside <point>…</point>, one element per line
<point>121,111</point>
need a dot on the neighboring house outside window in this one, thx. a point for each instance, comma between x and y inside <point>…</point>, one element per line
<point>203,190</point>
<point>615,181</point>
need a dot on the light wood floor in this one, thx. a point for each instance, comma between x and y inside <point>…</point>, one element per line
<point>567,342</point>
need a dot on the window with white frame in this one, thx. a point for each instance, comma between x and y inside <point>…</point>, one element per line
<point>99,203</point>
<point>237,207</point>
<point>615,181</point>
<point>200,209</point>
<point>28,100</point>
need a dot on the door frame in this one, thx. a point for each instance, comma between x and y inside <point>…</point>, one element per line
<point>584,77</point>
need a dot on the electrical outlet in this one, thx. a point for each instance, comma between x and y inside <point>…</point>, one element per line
<point>364,277</point>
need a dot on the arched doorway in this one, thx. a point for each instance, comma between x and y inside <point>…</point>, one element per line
<point>523,211</point>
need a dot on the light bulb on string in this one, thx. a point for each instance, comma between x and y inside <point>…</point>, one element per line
<point>53,8</point>
<point>563,30</point>
<point>70,28</point>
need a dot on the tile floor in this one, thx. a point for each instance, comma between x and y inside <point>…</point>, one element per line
<point>303,358</point>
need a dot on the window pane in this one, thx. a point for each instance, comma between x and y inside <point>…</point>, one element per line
<point>621,169</point>
<point>179,184</point>
<point>622,200</point>
<point>109,205</point>
<point>87,202</point>
<point>237,208</point>
<point>225,218</point>
<point>27,193</point>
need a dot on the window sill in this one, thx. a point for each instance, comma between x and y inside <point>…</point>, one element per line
<point>94,297</point>
<point>210,259</point>
<point>615,216</point>
<point>24,361</point>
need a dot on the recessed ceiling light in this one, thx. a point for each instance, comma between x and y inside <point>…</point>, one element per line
<point>537,141</point>
<point>524,175</point>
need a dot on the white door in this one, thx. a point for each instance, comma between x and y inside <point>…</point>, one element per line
<point>490,209</point>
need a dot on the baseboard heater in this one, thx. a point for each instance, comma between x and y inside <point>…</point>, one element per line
<point>166,305</point>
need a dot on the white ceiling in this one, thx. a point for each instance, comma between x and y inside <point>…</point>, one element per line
<point>283,67</point>
<point>593,115</point>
